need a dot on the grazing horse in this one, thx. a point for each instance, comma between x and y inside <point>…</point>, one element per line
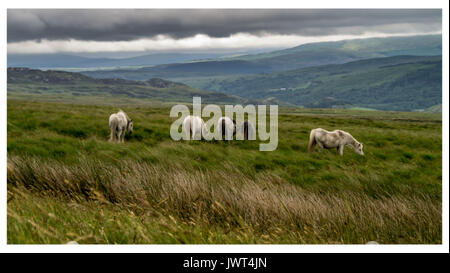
<point>226,127</point>
<point>337,139</point>
<point>119,123</point>
<point>194,126</point>
<point>248,130</point>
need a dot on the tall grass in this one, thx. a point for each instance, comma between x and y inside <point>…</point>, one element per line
<point>230,200</point>
<point>66,182</point>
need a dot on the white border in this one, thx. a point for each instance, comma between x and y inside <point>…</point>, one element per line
<point>3,132</point>
<point>229,248</point>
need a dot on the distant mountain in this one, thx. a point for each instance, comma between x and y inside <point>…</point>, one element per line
<point>306,55</point>
<point>391,83</point>
<point>52,60</point>
<point>420,45</point>
<point>394,73</point>
<point>71,61</point>
<point>34,81</point>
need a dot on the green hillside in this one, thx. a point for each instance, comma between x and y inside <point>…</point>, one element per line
<point>392,83</point>
<point>67,86</point>
<point>426,45</point>
<point>314,54</point>
<point>184,70</point>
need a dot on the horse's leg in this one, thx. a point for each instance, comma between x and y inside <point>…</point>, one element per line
<point>123,135</point>
<point>119,134</point>
<point>111,135</point>
<point>112,130</point>
<point>199,133</point>
<point>320,146</point>
<point>194,133</point>
<point>341,149</point>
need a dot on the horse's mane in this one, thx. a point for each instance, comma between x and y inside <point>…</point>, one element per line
<point>354,141</point>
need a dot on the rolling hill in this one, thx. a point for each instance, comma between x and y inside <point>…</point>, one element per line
<point>346,50</point>
<point>371,73</point>
<point>391,83</point>
<point>29,82</point>
<point>306,55</point>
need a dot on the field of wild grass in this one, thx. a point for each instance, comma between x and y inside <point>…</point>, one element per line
<point>66,182</point>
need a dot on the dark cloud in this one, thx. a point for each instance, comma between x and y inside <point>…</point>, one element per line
<point>126,25</point>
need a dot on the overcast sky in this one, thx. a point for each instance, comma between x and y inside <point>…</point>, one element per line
<point>146,30</point>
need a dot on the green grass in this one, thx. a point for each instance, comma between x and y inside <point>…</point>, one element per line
<point>67,182</point>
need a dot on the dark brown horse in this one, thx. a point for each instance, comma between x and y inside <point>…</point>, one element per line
<point>248,130</point>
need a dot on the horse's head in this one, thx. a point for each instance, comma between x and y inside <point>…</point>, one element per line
<point>130,126</point>
<point>359,148</point>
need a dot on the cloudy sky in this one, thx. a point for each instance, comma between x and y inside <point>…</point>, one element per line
<point>174,30</point>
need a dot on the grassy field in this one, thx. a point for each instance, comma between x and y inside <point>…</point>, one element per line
<point>66,182</point>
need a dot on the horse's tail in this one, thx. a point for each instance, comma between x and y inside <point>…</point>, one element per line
<point>312,141</point>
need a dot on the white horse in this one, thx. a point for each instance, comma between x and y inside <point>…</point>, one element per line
<point>119,123</point>
<point>337,139</point>
<point>226,128</point>
<point>248,130</point>
<point>194,126</point>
